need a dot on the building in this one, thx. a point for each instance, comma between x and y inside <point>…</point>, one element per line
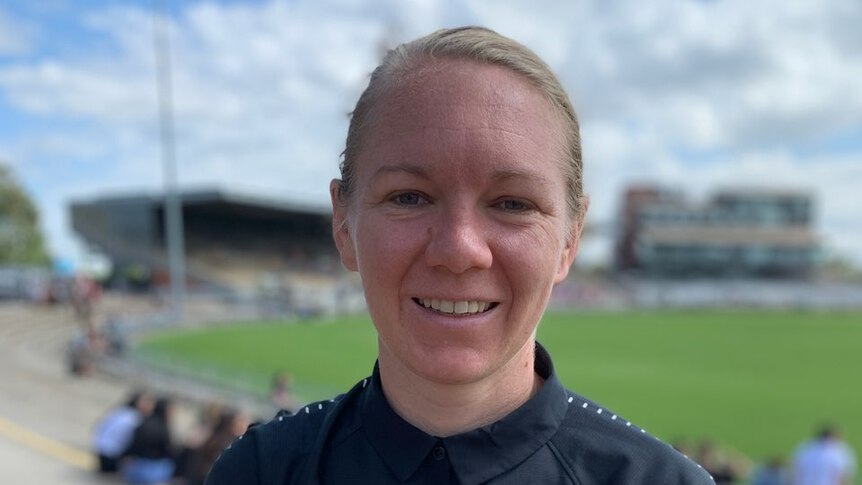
<point>734,233</point>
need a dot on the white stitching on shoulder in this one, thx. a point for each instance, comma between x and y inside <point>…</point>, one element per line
<point>614,417</point>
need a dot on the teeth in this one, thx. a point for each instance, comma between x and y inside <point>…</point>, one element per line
<point>456,307</point>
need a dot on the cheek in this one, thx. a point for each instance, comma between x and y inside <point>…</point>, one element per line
<point>385,250</point>
<point>531,261</point>
<point>535,252</point>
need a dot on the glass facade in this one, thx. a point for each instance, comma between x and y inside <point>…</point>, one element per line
<point>745,234</point>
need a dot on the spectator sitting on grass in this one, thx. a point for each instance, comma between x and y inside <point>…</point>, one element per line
<point>773,472</point>
<point>149,459</point>
<point>114,432</point>
<point>230,425</point>
<point>824,460</point>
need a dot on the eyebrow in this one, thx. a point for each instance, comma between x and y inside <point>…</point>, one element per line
<point>421,172</point>
<point>408,168</point>
<point>507,174</point>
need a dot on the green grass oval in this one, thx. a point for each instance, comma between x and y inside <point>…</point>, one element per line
<point>757,381</point>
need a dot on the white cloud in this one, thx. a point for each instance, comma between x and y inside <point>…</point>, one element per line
<point>262,90</point>
<point>17,37</point>
<point>755,72</point>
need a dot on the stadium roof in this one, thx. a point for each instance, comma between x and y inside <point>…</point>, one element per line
<point>216,196</point>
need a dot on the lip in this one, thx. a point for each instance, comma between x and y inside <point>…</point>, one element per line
<point>460,297</point>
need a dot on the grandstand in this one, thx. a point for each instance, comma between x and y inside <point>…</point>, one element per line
<point>245,245</point>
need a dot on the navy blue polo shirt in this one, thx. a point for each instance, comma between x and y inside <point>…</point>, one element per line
<point>556,437</point>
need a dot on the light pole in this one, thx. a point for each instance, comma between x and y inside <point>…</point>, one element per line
<point>173,220</point>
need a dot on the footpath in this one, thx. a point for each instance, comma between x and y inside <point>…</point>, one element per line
<point>46,414</point>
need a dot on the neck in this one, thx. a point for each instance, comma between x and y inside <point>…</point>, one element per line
<point>442,409</point>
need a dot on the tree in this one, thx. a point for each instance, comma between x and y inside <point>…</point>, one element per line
<point>20,239</point>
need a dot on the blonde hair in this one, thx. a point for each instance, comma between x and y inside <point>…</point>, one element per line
<point>480,45</point>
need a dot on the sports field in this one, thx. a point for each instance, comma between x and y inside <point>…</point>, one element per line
<point>759,382</point>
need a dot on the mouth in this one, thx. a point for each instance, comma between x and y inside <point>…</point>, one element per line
<point>449,307</point>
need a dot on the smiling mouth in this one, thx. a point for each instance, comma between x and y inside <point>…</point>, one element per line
<point>468,307</point>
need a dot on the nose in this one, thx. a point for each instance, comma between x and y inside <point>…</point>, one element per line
<point>458,242</point>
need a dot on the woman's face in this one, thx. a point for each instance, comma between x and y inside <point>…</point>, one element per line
<point>458,223</point>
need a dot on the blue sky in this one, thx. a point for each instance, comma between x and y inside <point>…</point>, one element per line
<point>692,95</point>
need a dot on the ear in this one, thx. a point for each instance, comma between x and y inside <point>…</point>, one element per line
<point>340,228</point>
<point>567,257</point>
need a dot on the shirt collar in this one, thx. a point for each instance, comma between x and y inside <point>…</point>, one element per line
<point>400,445</point>
<point>477,455</point>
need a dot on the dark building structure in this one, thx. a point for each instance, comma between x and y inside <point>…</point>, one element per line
<point>230,239</point>
<point>738,233</point>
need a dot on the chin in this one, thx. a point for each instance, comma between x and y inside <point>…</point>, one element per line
<point>452,366</point>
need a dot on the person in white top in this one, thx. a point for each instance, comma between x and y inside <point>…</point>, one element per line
<point>824,460</point>
<point>114,431</point>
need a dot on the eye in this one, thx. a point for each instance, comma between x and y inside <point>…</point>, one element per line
<point>408,199</point>
<point>515,205</point>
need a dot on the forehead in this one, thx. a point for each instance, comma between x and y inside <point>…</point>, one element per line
<point>455,106</point>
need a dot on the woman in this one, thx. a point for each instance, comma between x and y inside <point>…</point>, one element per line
<point>149,458</point>
<point>230,425</point>
<point>460,205</point>
<point>114,431</point>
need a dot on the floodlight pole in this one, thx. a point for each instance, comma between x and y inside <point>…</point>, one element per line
<point>173,220</point>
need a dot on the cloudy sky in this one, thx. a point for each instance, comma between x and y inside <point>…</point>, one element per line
<point>694,95</point>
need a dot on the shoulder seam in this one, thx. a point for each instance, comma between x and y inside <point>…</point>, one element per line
<point>586,405</point>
